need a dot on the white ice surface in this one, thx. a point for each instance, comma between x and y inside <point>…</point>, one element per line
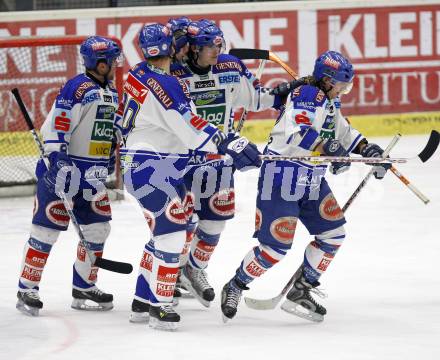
<point>383,286</point>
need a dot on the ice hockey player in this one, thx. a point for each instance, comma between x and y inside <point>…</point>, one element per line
<point>161,129</point>
<point>218,84</point>
<point>289,191</point>
<point>78,133</point>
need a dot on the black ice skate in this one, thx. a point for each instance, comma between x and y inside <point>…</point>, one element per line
<point>231,295</point>
<point>92,299</point>
<point>139,312</point>
<point>29,302</point>
<point>163,317</point>
<point>195,280</point>
<point>299,301</point>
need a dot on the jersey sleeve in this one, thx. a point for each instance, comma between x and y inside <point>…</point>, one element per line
<point>64,117</point>
<point>252,96</point>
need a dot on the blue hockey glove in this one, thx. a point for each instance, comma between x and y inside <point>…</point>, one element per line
<point>57,161</point>
<point>334,148</point>
<point>243,153</point>
<point>374,150</point>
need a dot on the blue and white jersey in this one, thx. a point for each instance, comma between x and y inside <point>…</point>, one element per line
<point>227,86</point>
<point>159,119</point>
<point>308,106</point>
<point>81,121</point>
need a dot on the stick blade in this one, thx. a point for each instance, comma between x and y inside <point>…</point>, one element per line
<point>266,304</point>
<point>431,146</point>
<point>115,266</point>
<point>244,54</point>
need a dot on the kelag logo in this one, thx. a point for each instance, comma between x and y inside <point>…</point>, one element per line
<point>102,131</point>
<point>212,97</point>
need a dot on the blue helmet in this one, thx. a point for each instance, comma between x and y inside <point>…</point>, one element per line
<point>179,28</point>
<point>155,40</point>
<point>335,66</point>
<point>97,48</point>
<point>205,33</point>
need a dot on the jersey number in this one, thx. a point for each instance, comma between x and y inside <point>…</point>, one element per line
<point>130,113</point>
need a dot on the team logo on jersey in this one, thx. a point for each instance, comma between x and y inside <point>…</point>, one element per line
<point>150,219</point>
<point>229,78</point>
<point>175,212</point>
<point>258,219</point>
<point>136,89</point>
<point>283,229</point>
<point>102,131</point>
<point>204,84</point>
<point>105,112</point>
<point>228,65</point>
<point>62,120</point>
<point>302,118</point>
<point>212,97</point>
<point>101,205</point>
<point>82,88</point>
<point>214,114</point>
<point>223,202</point>
<point>161,95</point>
<point>329,209</point>
<point>107,98</point>
<point>57,213</point>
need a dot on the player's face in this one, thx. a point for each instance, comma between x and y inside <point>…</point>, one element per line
<point>339,88</point>
<point>208,55</point>
<point>182,54</point>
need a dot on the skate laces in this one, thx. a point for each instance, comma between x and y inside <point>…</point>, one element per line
<point>168,309</point>
<point>33,295</point>
<point>201,278</point>
<point>97,291</point>
<point>233,296</point>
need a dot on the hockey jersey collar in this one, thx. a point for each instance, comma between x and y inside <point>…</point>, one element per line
<point>100,83</point>
<point>197,69</point>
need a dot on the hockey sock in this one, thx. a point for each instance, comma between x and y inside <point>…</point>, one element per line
<point>257,262</point>
<point>320,252</point>
<point>143,292</point>
<point>35,254</point>
<point>190,230</point>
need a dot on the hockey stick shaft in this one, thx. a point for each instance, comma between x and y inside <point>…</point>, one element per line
<point>410,186</point>
<point>106,264</point>
<point>327,159</point>
<point>245,112</point>
<point>370,173</point>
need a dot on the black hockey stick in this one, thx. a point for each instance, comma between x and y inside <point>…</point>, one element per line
<point>115,266</point>
<point>269,304</point>
<point>246,54</point>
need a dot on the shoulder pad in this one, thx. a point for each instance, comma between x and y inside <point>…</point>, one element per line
<point>228,62</point>
<point>308,95</point>
<point>74,90</point>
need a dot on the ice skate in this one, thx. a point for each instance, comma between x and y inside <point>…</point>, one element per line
<point>184,293</point>
<point>139,312</point>
<point>163,317</point>
<point>29,302</point>
<point>195,280</point>
<point>231,295</point>
<point>92,299</point>
<point>299,301</point>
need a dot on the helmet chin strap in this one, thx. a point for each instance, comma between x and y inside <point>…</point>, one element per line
<point>194,66</point>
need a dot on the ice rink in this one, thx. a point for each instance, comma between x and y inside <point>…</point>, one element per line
<point>383,286</point>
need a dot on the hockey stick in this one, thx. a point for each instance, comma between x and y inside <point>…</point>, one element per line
<point>370,173</point>
<point>269,304</point>
<point>111,265</point>
<point>245,54</point>
<point>245,112</point>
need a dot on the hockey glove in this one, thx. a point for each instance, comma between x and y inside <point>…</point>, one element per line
<point>334,148</point>
<point>243,153</point>
<point>60,165</point>
<point>374,150</point>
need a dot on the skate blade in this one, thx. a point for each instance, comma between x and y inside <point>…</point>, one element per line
<point>27,310</point>
<point>192,291</point>
<point>139,318</point>
<point>163,325</point>
<point>85,304</point>
<point>300,311</point>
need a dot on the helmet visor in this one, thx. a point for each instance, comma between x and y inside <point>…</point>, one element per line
<point>343,87</point>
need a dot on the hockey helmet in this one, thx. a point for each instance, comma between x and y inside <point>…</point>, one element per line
<point>179,28</point>
<point>155,40</point>
<point>334,65</point>
<point>98,48</point>
<point>205,33</point>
